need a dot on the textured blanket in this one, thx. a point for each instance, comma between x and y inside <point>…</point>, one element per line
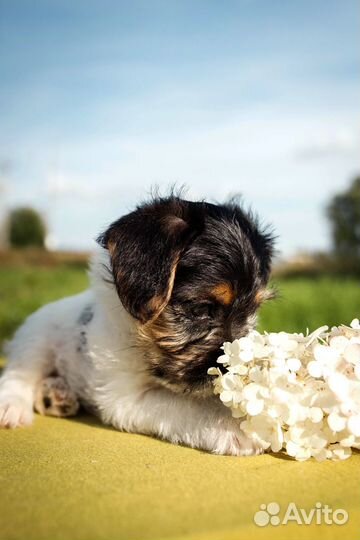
<point>74,479</point>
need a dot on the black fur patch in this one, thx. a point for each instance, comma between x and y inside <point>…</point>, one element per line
<point>86,315</point>
<point>84,319</point>
<point>145,247</point>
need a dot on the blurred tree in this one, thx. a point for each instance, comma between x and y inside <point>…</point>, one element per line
<point>344,215</point>
<point>26,228</point>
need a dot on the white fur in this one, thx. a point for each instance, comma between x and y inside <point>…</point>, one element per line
<point>109,377</point>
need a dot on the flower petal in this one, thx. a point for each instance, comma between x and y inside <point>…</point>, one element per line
<point>254,407</point>
<point>354,425</point>
<point>226,396</point>
<point>316,414</point>
<point>352,353</point>
<point>336,422</point>
<point>315,369</point>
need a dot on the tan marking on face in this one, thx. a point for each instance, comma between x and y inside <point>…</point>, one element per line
<point>157,304</point>
<point>111,247</point>
<point>264,294</point>
<point>223,293</point>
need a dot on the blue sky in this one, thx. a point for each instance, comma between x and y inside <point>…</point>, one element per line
<point>101,100</point>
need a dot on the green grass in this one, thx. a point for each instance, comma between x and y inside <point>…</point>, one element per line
<point>302,302</point>
<point>23,289</point>
<point>311,302</point>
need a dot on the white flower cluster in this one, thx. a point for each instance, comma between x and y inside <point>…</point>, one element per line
<point>295,392</point>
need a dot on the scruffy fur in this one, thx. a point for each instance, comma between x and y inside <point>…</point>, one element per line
<point>170,282</point>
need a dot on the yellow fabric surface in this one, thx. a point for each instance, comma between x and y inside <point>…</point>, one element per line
<point>74,479</point>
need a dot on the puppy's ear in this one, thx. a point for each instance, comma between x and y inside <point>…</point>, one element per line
<point>145,247</point>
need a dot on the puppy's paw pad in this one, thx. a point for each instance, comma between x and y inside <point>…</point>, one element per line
<point>55,398</point>
<point>15,412</point>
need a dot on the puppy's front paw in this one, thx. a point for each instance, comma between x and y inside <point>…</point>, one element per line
<point>15,412</point>
<point>234,442</point>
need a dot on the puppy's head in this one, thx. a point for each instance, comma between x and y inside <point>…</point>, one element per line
<point>193,275</point>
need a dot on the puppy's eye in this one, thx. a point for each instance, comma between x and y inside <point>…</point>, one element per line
<point>202,311</point>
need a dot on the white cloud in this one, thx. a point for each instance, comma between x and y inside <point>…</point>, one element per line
<point>60,184</point>
<point>341,143</point>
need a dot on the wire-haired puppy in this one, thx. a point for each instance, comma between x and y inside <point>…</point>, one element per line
<point>170,283</point>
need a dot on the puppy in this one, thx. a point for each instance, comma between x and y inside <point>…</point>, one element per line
<point>170,282</point>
